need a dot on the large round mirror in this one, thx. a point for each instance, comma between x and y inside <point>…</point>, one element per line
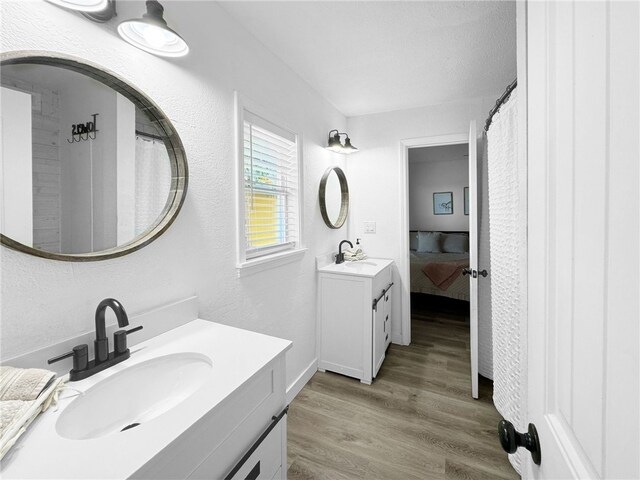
<point>334,197</point>
<point>91,168</point>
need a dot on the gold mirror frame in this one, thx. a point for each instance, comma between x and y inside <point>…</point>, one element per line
<point>344,192</point>
<point>175,150</point>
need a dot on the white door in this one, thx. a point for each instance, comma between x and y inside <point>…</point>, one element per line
<point>583,241</point>
<point>16,166</point>
<point>473,255</point>
<point>387,315</point>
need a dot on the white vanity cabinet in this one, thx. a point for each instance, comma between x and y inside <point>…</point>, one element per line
<point>354,317</point>
<point>232,426</point>
<point>244,438</point>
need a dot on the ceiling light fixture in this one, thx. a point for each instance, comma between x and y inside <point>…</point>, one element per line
<point>151,33</point>
<point>82,5</point>
<point>335,145</point>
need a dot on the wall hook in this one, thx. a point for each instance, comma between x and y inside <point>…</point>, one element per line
<point>84,131</point>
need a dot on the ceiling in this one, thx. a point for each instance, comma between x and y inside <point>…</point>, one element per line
<point>369,57</point>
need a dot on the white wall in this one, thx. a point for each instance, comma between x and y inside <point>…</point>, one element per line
<point>438,169</point>
<point>45,301</point>
<point>375,185</point>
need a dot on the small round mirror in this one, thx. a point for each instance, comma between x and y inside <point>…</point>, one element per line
<point>334,197</point>
<point>92,169</point>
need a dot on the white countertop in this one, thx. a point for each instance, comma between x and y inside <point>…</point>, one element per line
<point>362,268</point>
<point>236,356</point>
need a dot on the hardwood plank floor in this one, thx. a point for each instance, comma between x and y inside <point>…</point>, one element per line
<point>417,420</point>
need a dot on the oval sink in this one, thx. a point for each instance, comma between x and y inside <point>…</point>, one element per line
<point>134,396</point>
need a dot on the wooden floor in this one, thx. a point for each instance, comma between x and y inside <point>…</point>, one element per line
<point>417,420</point>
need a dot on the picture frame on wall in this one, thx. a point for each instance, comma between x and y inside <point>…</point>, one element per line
<point>443,203</point>
<point>466,200</point>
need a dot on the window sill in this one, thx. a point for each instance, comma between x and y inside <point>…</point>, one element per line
<point>269,261</point>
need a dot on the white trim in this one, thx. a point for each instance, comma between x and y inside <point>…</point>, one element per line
<point>267,262</point>
<point>242,103</point>
<point>403,264</point>
<point>298,384</point>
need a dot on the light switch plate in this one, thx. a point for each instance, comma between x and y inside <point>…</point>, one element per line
<point>369,227</point>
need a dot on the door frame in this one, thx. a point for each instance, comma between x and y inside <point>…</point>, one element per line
<point>403,268</point>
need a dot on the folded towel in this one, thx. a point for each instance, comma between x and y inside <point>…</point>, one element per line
<point>23,384</point>
<point>354,254</point>
<point>24,394</point>
<point>443,274</point>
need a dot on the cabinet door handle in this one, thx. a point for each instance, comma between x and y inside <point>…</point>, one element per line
<point>254,473</point>
<point>274,421</point>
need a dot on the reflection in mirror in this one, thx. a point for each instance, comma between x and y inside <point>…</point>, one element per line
<point>84,168</point>
<point>334,197</point>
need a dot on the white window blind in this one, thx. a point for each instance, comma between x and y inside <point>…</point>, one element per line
<point>271,177</point>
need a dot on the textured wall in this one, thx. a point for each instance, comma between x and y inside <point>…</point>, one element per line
<point>45,301</point>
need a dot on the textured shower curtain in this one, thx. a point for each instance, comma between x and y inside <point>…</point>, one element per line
<point>508,247</point>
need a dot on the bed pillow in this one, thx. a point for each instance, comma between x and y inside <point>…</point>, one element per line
<point>455,243</point>
<point>413,240</point>
<point>429,242</point>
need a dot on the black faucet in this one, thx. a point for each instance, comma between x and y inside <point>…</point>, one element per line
<point>340,256</point>
<point>101,343</point>
<point>82,367</point>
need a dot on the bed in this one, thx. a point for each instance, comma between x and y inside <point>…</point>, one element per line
<point>421,283</point>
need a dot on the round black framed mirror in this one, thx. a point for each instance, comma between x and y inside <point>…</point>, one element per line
<point>92,168</point>
<point>334,197</point>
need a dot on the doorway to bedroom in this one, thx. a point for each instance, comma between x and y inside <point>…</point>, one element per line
<point>438,204</point>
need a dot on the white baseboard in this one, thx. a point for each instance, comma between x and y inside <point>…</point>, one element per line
<point>301,381</point>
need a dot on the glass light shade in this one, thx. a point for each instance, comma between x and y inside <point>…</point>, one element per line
<point>334,144</point>
<point>82,5</point>
<point>348,148</point>
<point>153,38</point>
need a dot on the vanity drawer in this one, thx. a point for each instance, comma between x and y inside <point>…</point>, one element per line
<point>266,460</point>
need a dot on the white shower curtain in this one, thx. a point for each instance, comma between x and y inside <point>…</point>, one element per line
<point>153,182</point>
<point>508,247</point>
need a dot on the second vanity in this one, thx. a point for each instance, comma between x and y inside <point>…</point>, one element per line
<point>202,400</point>
<point>354,317</point>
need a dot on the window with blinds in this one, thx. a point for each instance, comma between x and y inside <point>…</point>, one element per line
<point>271,178</point>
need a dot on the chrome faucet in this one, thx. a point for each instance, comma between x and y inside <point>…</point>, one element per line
<point>340,255</point>
<point>82,367</point>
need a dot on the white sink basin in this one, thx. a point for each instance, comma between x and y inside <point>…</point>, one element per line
<point>362,268</point>
<point>134,395</point>
<point>359,264</point>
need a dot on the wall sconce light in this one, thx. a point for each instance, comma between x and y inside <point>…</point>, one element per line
<point>96,10</point>
<point>151,33</point>
<point>335,145</point>
<point>82,5</point>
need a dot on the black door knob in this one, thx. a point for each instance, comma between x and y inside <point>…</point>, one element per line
<point>484,273</point>
<point>510,439</point>
<point>466,271</point>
